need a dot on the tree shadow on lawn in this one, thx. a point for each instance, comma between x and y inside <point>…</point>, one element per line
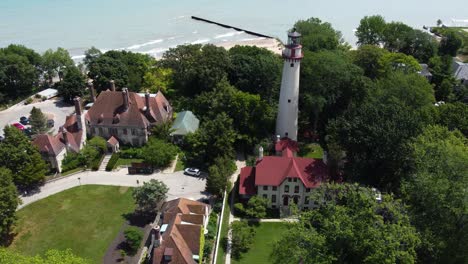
<point>139,219</point>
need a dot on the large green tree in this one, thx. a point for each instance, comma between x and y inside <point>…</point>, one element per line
<point>368,57</point>
<point>219,174</point>
<point>436,194</point>
<point>22,158</point>
<point>72,85</point>
<point>256,70</point>
<point>420,45</point>
<point>394,35</point>
<point>242,238</point>
<point>318,35</point>
<point>38,121</point>
<point>371,30</point>
<point>453,116</point>
<point>349,226</point>
<point>450,44</point>
<point>8,203</point>
<point>148,196</point>
<point>18,77</point>
<point>54,62</point>
<point>159,153</point>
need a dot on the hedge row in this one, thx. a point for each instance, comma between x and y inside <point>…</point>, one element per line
<point>113,160</point>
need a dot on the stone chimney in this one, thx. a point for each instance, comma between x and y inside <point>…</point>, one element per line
<point>147,102</point>
<point>92,91</point>
<point>260,153</point>
<point>125,98</point>
<point>79,112</point>
<point>278,138</point>
<point>64,137</point>
<point>112,85</point>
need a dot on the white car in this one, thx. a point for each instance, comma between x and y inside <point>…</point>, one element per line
<point>192,171</point>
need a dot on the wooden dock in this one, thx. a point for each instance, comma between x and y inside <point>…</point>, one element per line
<point>231,27</point>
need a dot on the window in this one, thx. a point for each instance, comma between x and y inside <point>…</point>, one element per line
<point>265,196</point>
<point>100,131</point>
<point>273,198</point>
<point>289,100</point>
<point>135,142</point>
<point>307,189</point>
<point>265,188</point>
<point>289,179</point>
<point>112,131</point>
<point>134,132</point>
<point>274,188</point>
<point>296,189</point>
<point>286,188</point>
<point>292,64</point>
<point>306,200</point>
<point>273,206</point>
<point>125,131</point>
<point>93,130</point>
<point>286,133</point>
<point>295,179</point>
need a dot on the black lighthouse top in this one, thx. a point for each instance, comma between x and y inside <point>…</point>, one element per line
<point>293,49</point>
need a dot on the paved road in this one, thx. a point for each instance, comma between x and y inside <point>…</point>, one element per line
<point>180,185</point>
<point>54,106</point>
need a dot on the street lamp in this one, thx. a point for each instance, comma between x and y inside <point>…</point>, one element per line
<point>79,180</point>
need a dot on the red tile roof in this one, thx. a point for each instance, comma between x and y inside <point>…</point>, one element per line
<point>286,143</point>
<point>109,110</point>
<point>247,181</point>
<point>273,171</point>
<point>48,145</point>
<point>113,141</point>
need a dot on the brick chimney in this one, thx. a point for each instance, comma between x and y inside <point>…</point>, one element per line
<point>92,91</point>
<point>260,153</point>
<point>125,98</point>
<point>147,101</point>
<point>78,109</point>
<point>65,139</point>
<point>112,85</point>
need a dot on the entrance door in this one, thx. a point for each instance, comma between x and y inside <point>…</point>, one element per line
<point>285,200</point>
<point>296,199</point>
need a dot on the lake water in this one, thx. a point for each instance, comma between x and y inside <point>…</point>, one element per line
<point>152,26</point>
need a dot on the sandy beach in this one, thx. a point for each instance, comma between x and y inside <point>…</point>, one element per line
<point>268,43</point>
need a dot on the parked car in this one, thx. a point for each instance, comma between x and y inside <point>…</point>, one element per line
<point>192,171</point>
<point>24,120</point>
<point>50,123</point>
<point>19,126</point>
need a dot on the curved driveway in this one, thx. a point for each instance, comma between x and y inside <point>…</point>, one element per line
<point>180,185</point>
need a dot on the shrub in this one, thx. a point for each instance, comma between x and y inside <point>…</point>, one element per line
<point>43,98</point>
<point>239,209</point>
<point>28,101</point>
<point>96,162</point>
<point>133,237</point>
<point>38,96</point>
<point>113,160</point>
<point>242,238</point>
<point>131,153</point>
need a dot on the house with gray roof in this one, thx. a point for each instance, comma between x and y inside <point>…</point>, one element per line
<point>185,122</point>
<point>425,71</point>
<point>460,71</point>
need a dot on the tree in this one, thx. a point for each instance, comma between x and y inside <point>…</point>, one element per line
<point>38,121</point>
<point>318,35</point>
<point>219,174</point>
<point>52,256</point>
<point>242,238</point>
<point>163,131</point>
<point>256,207</point>
<point>196,68</point>
<point>349,226</point>
<point>98,143</point>
<point>368,58</point>
<point>148,196</point>
<point>421,45</point>
<point>133,237</point>
<point>18,77</point>
<point>54,62</point>
<point>453,116</point>
<point>214,138</point>
<point>159,153</point>
<point>391,62</point>
<point>371,30</point>
<point>436,194</point>
<point>8,203</point>
<point>450,44</point>
<point>72,85</point>
<point>394,35</point>
<point>90,55</point>
<point>22,158</point>
<point>158,79</point>
<point>256,71</point>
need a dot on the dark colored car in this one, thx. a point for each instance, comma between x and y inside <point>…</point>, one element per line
<point>24,120</point>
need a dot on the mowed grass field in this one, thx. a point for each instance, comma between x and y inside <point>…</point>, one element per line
<point>266,235</point>
<point>85,219</point>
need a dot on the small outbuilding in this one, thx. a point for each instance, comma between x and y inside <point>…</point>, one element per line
<point>113,145</point>
<point>48,93</point>
<point>185,122</point>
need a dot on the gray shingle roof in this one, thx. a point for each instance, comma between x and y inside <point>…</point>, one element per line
<point>185,123</point>
<point>460,70</point>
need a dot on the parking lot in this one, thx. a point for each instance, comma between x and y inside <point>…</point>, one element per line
<point>52,106</point>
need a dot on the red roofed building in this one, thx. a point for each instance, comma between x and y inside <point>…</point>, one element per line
<point>284,178</point>
<point>179,239</point>
<point>127,116</point>
<point>70,138</point>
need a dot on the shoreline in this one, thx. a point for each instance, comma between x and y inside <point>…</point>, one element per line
<point>270,44</point>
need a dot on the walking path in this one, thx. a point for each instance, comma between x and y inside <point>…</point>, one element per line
<point>179,184</point>
<point>240,163</point>
<point>104,162</point>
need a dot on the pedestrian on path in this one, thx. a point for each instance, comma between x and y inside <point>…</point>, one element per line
<point>138,182</point>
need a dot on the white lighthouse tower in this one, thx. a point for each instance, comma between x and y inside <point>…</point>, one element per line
<point>286,122</point>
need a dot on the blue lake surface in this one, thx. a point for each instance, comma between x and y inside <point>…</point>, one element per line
<point>152,26</point>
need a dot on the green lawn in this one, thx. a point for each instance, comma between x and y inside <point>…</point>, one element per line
<point>266,235</point>
<point>312,150</point>
<point>125,162</point>
<point>85,219</point>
